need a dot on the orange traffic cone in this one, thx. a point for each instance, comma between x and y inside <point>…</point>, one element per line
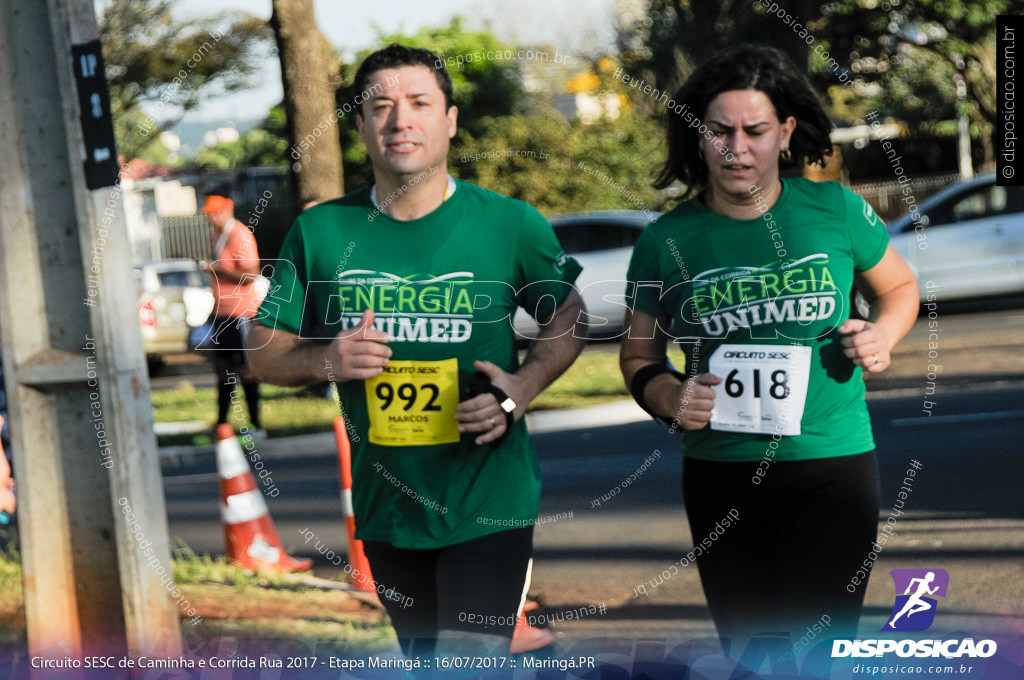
<point>362,579</point>
<point>249,535</point>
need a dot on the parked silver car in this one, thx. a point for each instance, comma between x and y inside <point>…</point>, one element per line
<point>174,297</point>
<point>968,242</point>
<point>602,241</point>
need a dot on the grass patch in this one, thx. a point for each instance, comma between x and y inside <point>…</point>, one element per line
<point>190,568</point>
<point>234,603</point>
<point>284,412</point>
<point>594,379</point>
<point>12,600</point>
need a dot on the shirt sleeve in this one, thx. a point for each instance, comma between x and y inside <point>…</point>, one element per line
<point>546,273</point>
<point>643,268</point>
<point>283,305</point>
<point>868,236</point>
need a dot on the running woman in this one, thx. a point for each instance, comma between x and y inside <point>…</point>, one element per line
<point>770,399</point>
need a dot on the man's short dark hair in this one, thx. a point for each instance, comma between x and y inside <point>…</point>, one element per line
<point>396,56</point>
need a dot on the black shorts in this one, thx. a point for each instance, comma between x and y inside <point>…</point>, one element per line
<point>226,340</point>
<point>476,586</point>
<point>801,535</point>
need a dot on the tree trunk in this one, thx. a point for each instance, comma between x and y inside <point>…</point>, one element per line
<point>315,148</point>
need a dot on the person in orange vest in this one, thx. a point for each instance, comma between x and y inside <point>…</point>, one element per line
<point>234,273</point>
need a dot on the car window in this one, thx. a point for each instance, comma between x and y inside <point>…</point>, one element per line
<point>179,278</point>
<point>586,237</point>
<point>196,278</point>
<point>986,201</point>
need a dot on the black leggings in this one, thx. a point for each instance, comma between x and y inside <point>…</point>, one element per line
<point>802,534</point>
<point>475,586</point>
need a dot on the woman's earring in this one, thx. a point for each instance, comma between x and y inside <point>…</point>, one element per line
<point>786,155</point>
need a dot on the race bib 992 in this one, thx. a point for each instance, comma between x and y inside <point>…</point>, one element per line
<point>412,403</point>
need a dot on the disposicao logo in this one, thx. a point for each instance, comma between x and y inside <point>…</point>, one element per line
<point>914,610</point>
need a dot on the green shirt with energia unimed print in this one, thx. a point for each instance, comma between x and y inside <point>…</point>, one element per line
<point>445,287</point>
<point>764,298</point>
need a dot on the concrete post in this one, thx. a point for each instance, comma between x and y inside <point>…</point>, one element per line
<point>80,410</point>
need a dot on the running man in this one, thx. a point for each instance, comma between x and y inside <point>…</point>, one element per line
<point>915,604</point>
<point>403,293</point>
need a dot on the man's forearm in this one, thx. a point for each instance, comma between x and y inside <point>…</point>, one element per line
<point>554,350</point>
<point>281,358</point>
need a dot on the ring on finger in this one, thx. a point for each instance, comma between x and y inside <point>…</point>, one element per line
<point>876,359</point>
<point>493,422</point>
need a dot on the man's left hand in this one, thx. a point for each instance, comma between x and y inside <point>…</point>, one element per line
<point>482,413</point>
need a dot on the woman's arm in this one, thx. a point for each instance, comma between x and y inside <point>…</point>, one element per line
<point>687,402</point>
<point>891,289</point>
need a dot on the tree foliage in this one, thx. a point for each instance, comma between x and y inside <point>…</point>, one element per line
<point>663,41</point>
<point>561,165</point>
<point>170,65</point>
<point>263,146</point>
<point>902,57</point>
<point>912,53</point>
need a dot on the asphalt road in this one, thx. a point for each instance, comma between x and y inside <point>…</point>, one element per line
<point>966,515</point>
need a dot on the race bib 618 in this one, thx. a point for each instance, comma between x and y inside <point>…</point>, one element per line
<point>763,388</point>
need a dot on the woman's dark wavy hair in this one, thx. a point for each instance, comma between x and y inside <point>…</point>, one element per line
<point>396,56</point>
<point>744,67</point>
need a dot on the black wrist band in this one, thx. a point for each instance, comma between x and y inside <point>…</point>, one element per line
<point>639,383</point>
<point>480,384</point>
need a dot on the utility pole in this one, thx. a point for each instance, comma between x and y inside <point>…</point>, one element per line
<point>81,418</point>
<point>963,132</point>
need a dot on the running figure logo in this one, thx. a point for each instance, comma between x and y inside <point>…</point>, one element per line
<point>914,610</point>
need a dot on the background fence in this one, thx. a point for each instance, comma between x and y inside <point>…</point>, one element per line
<point>887,198</point>
<point>186,237</point>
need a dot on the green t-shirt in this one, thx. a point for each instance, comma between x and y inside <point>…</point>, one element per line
<point>445,287</point>
<point>781,279</point>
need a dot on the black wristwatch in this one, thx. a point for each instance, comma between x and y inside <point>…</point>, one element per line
<point>481,383</point>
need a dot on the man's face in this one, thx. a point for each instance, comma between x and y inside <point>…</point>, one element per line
<point>220,218</point>
<point>404,123</point>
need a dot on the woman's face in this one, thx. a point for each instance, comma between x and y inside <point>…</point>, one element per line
<point>746,124</point>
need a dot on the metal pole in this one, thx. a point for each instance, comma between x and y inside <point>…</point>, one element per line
<point>963,132</point>
<point>79,396</point>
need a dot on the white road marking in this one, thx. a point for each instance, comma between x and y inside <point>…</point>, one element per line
<point>956,418</point>
<point>188,479</point>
